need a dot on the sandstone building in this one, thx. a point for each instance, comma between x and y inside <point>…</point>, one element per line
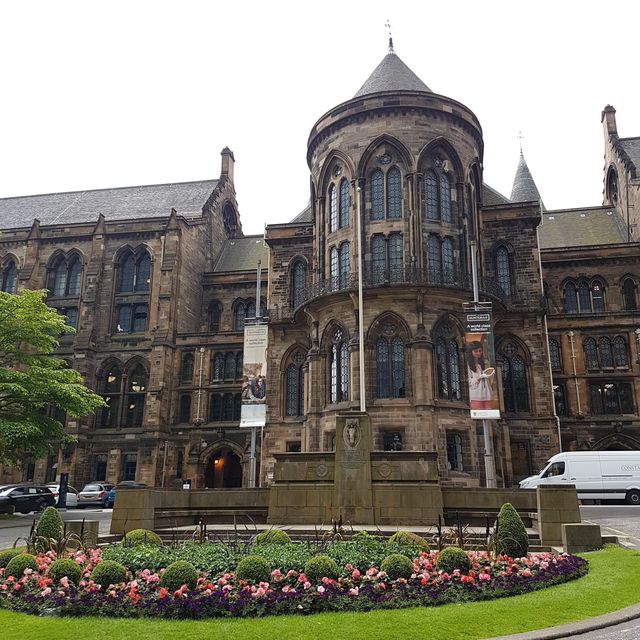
<point>159,281</point>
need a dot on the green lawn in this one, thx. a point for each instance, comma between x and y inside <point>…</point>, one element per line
<point>613,583</point>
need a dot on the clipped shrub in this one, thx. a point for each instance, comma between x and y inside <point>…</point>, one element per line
<point>511,538</point>
<point>409,539</point>
<point>364,537</point>
<point>50,524</point>
<point>397,566</point>
<point>109,572</point>
<point>273,536</point>
<point>177,574</point>
<point>7,555</point>
<point>319,567</point>
<point>141,536</point>
<point>65,567</point>
<point>453,558</point>
<point>253,569</point>
<point>17,565</point>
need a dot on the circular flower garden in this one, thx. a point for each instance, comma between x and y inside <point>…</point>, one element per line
<point>271,575</point>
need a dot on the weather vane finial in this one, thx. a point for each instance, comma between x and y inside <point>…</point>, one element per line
<point>388,25</point>
<point>520,138</point>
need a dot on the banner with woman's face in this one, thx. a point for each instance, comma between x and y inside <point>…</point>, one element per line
<point>484,400</point>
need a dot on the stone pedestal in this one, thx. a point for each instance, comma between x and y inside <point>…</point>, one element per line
<point>87,531</point>
<point>557,505</point>
<point>353,496</point>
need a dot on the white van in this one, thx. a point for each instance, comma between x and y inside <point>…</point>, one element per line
<point>597,475</point>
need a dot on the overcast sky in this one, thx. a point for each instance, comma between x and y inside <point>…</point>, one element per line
<point>108,94</point>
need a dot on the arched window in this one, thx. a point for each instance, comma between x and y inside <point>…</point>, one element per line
<point>377,195</point>
<point>240,315</point>
<point>445,198</point>
<point>590,353</point>
<point>246,309</point>
<point>434,259</point>
<point>344,265</point>
<point>554,355</point>
<point>298,283</point>
<point>447,363</point>
<point>584,297</point>
<point>570,298</point>
<point>431,196</point>
<point>503,270</point>
<point>185,408</point>
<point>394,193</point>
<point>620,352</point>
<point>109,416</point>
<point>136,392</point>
<point>612,186</point>
<point>345,203</point>
<point>338,368</point>
<point>454,451</point>
<point>135,273</point>
<point>217,372</point>
<point>333,208</point>
<point>390,366</point>
<point>605,352</point>
<point>186,370</point>
<point>213,313</point>
<point>65,277</point>
<point>334,268</point>
<point>59,277</point>
<point>629,295</point>
<point>597,296</point>
<point>74,277</point>
<point>10,277</point>
<point>515,387</point>
<point>294,395</point>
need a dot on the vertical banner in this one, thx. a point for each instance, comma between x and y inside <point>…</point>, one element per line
<point>481,369</point>
<point>254,376</point>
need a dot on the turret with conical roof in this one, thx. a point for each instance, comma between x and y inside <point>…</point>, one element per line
<point>524,187</point>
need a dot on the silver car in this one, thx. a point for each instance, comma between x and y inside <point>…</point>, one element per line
<point>94,494</point>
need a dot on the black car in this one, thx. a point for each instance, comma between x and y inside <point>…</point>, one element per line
<point>25,498</point>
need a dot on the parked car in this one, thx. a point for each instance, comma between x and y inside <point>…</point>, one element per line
<point>94,494</point>
<point>125,484</point>
<point>25,498</point>
<point>72,495</point>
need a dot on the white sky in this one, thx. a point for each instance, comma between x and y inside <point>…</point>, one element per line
<point>108,94</point>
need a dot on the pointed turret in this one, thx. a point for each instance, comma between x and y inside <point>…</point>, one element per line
<point>392,75</point>
<point>524,187</point>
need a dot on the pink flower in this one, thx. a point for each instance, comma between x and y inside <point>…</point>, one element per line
<point>307,585</point>
<point>276,574</point>
<point>163,593</point>
<point>321,590</point>
<point>348,566</point>
<point>46,592</point>
<point>302,578</point>
<point>64,581</point>
<point>355,574</point>
<point>354,591</point>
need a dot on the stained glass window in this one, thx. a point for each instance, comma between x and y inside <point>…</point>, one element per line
<point>515,386</point>
<point>554,354</point>
<point>503,270</point>
<point>382,368</point>
<point>448,265</point>
<point>345,203</point>
<point>378,259</point>
<point>218,366</point>
<point>298,283</point>
<point>590,353</point>
<point>377,195</point>
<point>295,386</point>
<point>431,195</point>
<point>620,353</point>
<point>605,352</point>
<point>570,298</point>
<point>333,208</point>
<point>74,277</point>
<point>344,265</point>
<point>396,261</point>
<point>186,372</point>
<point>434,259</point>
<point>334,268</point>
<point>127,274</point>
<point>584,298</point>
<point>394,193</point>
<point>445,198</point>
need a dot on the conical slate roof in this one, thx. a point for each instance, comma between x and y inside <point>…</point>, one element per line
<point>392,75</point>
<point>524,188</point>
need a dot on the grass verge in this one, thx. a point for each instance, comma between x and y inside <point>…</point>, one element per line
<point>613,582</point>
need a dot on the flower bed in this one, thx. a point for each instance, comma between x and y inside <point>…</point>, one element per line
<point>287,592</point>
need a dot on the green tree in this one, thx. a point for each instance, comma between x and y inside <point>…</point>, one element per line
<point>33,379</point>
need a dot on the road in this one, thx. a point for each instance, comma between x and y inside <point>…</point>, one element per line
<point>616,519</point>
<point>20,525</point>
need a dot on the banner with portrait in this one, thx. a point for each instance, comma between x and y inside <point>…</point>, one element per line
<point>254,376</point>
<point>484,400</point>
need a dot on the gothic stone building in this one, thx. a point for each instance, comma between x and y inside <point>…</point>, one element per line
<point>159,280</point>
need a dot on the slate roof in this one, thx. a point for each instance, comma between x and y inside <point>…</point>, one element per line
<point>392,75</point>
<point>304,215</point>
<point>524,187</point>
<point>242,254</point>
<point>490,196</point>
<point>580,228</point>
<point>631,147</point>
<point>125,203</point>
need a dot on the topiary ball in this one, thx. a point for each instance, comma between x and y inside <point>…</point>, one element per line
<point>319,567</point>
<point>65,567</point>
<point>453,558</point>
<point>141,536</point>
<point>177,574</point>
<point>7,555</point>
<point>17,565</point>
<point>109,572</point>
<point>50,524</point>
<point>511,537</point>
<point>397,566</point>
<point>409,539</point>
<point>273,536</point>
<point>253,569</point>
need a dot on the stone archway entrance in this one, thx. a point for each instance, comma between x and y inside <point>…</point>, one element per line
<point>223,469</point>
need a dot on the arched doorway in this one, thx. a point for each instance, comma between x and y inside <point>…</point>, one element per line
<point>223,469</point>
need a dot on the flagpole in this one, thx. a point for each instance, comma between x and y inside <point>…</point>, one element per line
<point>363,399</point>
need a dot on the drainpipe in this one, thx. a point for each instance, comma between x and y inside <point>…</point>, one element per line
<point>575,375</point>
